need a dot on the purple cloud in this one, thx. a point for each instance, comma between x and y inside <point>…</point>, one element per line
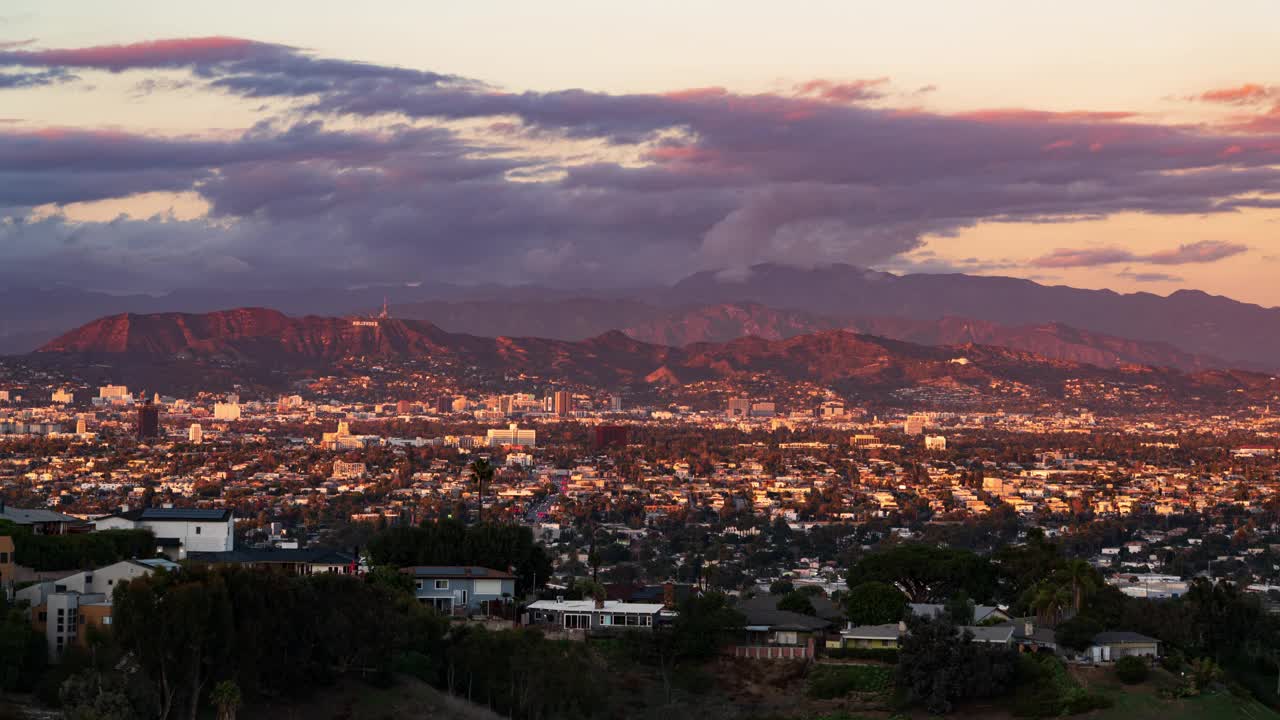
<point>722,179</point>
<point>1203,251</point>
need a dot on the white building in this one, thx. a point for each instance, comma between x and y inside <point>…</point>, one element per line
<point>915,424</point>
<point>113,392</point>
<point>63,396</point>
<point>179,531</point>
<point>195,434</point>
<point>229,412</point>
<point>935,442</point>
<point>512,435</point>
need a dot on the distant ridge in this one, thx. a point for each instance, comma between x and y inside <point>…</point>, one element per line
<point>839,358</point>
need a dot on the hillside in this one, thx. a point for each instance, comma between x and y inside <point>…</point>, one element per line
<point>256,338</point>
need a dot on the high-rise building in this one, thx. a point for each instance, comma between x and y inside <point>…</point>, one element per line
<point>195,434</point>
<point>404,407</point>
<point>915,424</point>
<point>562,403</point>
<point>62,396</point>
<point>763,409</point>
<point>82,426</point>
<point>615,403</point>
<point>935,442</point>
<point>739,407</point>
<point>148,421</point>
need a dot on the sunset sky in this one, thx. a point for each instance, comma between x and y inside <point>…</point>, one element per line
<point>150,146</point>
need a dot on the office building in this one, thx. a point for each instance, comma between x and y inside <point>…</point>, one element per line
<point>511,435</point>
<point>562,403</point>
<point>226,411</point>
<point>915,424</point>
<point>739,407</point>
<point>148,421</point>
<point>195,434</point>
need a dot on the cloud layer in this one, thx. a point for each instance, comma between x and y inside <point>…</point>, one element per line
<point>370,173</point>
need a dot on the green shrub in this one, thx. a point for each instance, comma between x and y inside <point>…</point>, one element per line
<point>833,681</point>
<point>1131,670</point>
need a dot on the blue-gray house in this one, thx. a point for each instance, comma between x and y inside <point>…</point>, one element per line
<point>461,589</point>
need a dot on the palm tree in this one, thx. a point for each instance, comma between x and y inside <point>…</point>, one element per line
<point>483,470</point>
<point>225,696</point>
<point>1079,574</point>
<point>1049,602</point>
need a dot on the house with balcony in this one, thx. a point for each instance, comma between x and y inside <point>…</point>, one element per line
<point>462,589</point>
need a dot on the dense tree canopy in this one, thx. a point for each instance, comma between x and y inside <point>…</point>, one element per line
<point>928,574</point>
<point>874,603</point>
<point>450,542</point>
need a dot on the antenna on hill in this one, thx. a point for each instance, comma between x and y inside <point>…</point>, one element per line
<point>384,314</point>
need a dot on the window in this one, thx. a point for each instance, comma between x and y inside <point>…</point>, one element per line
<point>198,529</point>
<point>44,616</point>
<point>442,584</point>
<point>106,620</point>
<point>4,557</point>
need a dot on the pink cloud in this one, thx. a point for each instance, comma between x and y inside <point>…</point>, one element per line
<point>1240,95</point>
<point>843,92</point>
<point>156,53</point>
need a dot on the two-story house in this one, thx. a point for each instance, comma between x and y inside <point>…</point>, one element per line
<point>179,531</point>
<point>462,589</point>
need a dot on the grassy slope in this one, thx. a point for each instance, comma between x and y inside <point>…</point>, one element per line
<point>1142,702</point>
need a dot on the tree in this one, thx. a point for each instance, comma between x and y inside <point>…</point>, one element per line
<point>927,573</point>
<point>1078,632</point>
<point>92,695</point>
<point>483,470</point>
<point>959,608</point>
<point>874,603</point>
<point>781,587</point>
<point>938,666</point>
<point>226,699</point>
<point>797,602</point>
<point>1082,579</point>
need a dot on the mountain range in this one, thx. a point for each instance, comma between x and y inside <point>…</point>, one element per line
<point>844,360</point>
<point>1188,329</point>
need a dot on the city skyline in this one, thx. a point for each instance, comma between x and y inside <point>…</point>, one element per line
<point>149,151</point>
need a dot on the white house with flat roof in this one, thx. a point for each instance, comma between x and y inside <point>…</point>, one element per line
<point>179,530</point>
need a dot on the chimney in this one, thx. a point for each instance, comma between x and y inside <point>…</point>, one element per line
<point>669,595</point>
<point>902,626</point>
<point>1028,628</point>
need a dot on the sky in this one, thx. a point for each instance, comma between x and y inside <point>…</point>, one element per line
<point>149,146</point>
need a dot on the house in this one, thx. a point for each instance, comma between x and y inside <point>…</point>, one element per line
<point>464,589</point>
<point>597,616</point>
<point>179,531</point>
<point>40,521</point>
<point>982,614</point>
<point>668,593</point>
<point>871,636</point>
<point>990,634</point>
<point>294,561</point>
<point>773,634</point>
<point>1029,637</point>
<point>65,609</point>
<point>1108,646</point>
